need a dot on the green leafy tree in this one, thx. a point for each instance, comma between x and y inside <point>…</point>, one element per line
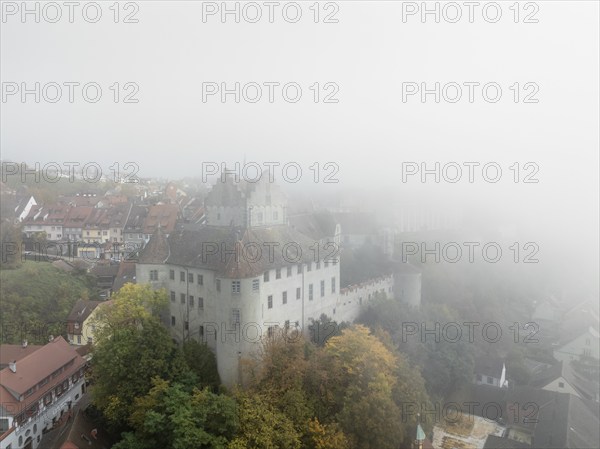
<point>11,245</point>
<point>131,348</point>
<point>171,417</point>
<point>202,362</point>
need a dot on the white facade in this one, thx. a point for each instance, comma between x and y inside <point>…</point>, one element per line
<point>233,315</point>
<point>50,408</point>
<point>585,345</point>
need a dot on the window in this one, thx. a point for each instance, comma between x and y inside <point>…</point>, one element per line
<point>587,352</point>
<point>191,278</point>
<point>287,324</point>
<point>235,316</point>
<point>182,276</point>
<point>298,293</point>
<point>333,285</point>
<point>201,331</point>
<point>154,275</point>
<point>299,268</point>
<point>191,301</point>
<point>308,266</point>
<point>200,279</point>
<point>334,310</point>
<point>284,298</point>
<point>255,285</point>
<point>182,296</point>
<point>318,265</point>
<point>200,302</point>
<point>172,296</point>
<point>278,273</point>
<point>218,285</point>
<point>235,286</point>
<point>310,292</point>
<point>322,288</point>
<point>289,271</point>
<point>271,331</point>
<point>186,325</point>
<point>266,277</point>
<point>79,339</point>
<point>561,385</point>
<point>270,301</point>
<point>172,320</point>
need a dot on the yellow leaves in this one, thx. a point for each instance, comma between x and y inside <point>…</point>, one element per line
<point>326,436</point>
<point>148,402</point>
<point>131,306</point>
<point>362,355</point>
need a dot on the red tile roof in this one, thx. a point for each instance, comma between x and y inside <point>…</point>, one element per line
<point>163,214</point>
<point>10,353</point>
<point>34,368</point>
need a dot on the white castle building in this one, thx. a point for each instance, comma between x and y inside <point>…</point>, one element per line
<point>247,274</point>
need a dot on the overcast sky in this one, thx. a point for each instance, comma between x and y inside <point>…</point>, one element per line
<point>369,53</point>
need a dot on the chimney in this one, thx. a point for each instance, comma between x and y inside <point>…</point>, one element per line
<point>24,344</point>
<point>13,366</point>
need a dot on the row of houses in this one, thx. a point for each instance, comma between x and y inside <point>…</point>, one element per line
<point>114,230</point>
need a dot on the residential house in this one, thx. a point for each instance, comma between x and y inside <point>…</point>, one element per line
<point>80,322</point>
<point>36,391</point>
<point>11,353</point>
<point>163,215</point>
<point>563,377</point>
<point>46,219</point>
<point>490,371</point>
<point>105,274</point>
<point>95,228</point>
<point>74,223</point>
<point>23,207</point>
<point>585,345</point>
<point>134,228</point>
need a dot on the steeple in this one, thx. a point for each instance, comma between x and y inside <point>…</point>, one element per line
<point>420,436</point>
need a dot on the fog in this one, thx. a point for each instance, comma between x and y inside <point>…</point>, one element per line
<point>373,56</point>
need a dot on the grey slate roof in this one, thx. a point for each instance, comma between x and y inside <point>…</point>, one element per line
<point>233,252</point>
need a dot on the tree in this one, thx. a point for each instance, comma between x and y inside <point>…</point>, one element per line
<point>170,417</point>
<point>11,242</point>
<point>124,365</point>
<point>132,348</point>
<point>133,305</point>
<point>326,436</point>
<point>322,329</point>
<point>262,426</point>
<point>367,372</point>
<point>202,362</point>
